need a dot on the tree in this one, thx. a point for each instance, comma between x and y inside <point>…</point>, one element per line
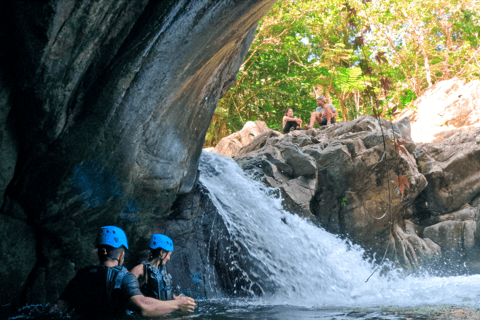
<point>349,51</point>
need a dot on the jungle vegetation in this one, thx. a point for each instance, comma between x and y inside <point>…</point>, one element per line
<point>365,56</point>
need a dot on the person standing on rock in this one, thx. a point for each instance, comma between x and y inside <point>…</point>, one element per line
<point>108,289</point>
<point>290,122</point>
<point>324,115</point>
<point>154,280</point>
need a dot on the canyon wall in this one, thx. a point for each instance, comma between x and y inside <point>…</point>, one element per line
<point>104,106</point>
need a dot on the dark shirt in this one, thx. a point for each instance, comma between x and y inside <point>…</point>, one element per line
<point>87,292</point>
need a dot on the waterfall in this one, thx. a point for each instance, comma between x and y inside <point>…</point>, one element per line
<point>309,266</point>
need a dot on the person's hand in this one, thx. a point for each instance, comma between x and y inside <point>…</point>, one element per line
<point>184,303</point>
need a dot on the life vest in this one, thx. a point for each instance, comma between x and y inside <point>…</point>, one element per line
<point>99,292</point>
<point>158,283</point>
<point>114,281</point>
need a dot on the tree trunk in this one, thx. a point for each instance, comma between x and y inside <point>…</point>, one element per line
<point>428,73</point>
<point>344,109</point>
<point>356,98</point>
<point>447,31</point>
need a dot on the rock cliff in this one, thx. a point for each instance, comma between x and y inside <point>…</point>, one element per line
<point>346,178</point>
<point>104,106</point>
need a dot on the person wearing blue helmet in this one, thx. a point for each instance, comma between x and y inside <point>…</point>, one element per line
<point>108,289</point>
<point>152,275</point>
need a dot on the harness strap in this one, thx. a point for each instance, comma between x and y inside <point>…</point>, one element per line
<point>114,280</point>
<point>119,279</point>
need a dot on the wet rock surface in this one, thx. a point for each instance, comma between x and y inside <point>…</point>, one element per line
<point>104,110</point>
<point>207,261</point>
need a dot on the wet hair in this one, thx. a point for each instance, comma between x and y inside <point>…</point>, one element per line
<point>286,111</point>
<point>156,255</point>
<point>110,253</point>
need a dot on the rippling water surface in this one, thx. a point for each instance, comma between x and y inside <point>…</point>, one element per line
<point>229,309</point>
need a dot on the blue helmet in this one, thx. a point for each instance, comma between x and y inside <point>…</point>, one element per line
<point>161,241</point>
<point>112,236</point>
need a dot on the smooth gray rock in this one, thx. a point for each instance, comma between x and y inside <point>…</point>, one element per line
<point>452,169</point>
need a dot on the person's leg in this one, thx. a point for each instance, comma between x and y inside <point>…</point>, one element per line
<point>334,120</point>
<point>288,126</point>
<point>299,123</point>
<point>315,117</point>
<point>312,119</point>
<point>328,114</point>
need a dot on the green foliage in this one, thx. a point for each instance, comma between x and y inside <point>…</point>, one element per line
<point>407,97</point>
<point>354,53</point>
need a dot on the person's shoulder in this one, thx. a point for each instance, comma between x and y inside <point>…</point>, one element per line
<point>130,285</point>
<point>129,278</point>
<point>138,268</point>
<point>332,107</point>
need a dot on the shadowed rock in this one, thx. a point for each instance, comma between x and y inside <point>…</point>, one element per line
<point>105,106</point>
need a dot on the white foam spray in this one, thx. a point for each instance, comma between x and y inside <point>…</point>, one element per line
<point>311,267</point>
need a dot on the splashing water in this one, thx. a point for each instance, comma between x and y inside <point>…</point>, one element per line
<point>309,266</point>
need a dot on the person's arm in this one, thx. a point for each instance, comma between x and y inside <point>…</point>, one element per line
<point>138,271</point>
<point>150,307</point>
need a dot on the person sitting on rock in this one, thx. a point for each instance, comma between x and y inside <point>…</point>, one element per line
<point>108,289</point>
<point>154,280</point>
<point>289,121</point>
<point>324,115</point>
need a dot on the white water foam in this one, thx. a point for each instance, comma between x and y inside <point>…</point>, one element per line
<point>311,267</point>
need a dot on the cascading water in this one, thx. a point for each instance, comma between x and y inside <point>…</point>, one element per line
<point>309,266</point>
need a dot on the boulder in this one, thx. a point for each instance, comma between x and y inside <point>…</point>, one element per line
<point>452,169</point>
<point>343,177</point>
<point>231,145</point>
<point>444,109</point>
<point>453,234</point>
